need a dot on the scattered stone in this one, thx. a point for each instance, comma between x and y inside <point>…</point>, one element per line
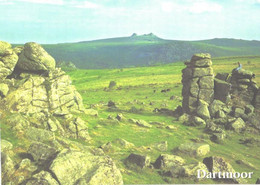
<point>218,137</point>
<point>107,147</point>
<point>249,109</point>
<point>111,104</point>
<point>258,181</point>
<point>238,125</point>
<point>215,106</point>
<point>26,164</point>
<point>194,149</point>
<point>120,117</point>
<point>198,121</point>
<point>42,153</point>
<point>91,112</point>
<point>171,127</point>
<point>168,161</point>
<point>203,111</point>
<point>184,117</point>
<point>143,123</point>
<point>218,164</point>
<point>74,167</point>
<point>123,143</point>
<point>161,146</point>
<point>190,170</point>
<point>140,160</point>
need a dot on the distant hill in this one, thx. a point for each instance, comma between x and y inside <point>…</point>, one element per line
<point>145,50</point>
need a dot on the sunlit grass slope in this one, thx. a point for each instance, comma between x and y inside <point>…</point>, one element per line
<point>140,88</point>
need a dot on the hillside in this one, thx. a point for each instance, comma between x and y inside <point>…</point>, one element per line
<point>145,50</point>
<point>128,125</point>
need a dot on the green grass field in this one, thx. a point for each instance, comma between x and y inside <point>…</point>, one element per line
<point>140,88</point>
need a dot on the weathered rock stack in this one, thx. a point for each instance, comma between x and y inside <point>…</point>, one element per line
<point>198,84</point>
<point>244,86</point>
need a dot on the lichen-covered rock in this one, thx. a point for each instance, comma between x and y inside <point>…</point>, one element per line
<point>3,89</point>
<point>18,122</point>
<point>26,165</point>
<point>35,58</point>
<point>140,160</point>
<point>40,135</point>
<point>200,56</point>
<point>161,146</point>
<point>218,137</point>
<point>190,170</point>
<point>222,76</point>
<point>217,164</point>
<point>143,123</point>
<point>74,167</point>
<point>4,47</point>
<point>203,111</point>
<point>168,161</point>
<point>184,117</point>
<point>123,143</point>
<point>78,129</point>
<point>8,60</point>
<point>198,82</point>
<point>37,93</point>
<point>222,90</point>
<point>194,149</point>
<point>41,153</point>
<point>215,106</point>
<point>43,178</point>
<point>238,125</point>
<point>6,145</point>
<point>7,167</point>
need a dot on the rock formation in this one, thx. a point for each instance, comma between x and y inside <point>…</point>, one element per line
<point>226,101</point>
<point>8,60</point>
<point>198,83</point>
<point>39,104</point>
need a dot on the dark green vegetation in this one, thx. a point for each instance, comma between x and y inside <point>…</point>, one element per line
<point>145,50</point>
<point>136,94</point>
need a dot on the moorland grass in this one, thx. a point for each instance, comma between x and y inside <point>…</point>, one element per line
<point>138,87</point>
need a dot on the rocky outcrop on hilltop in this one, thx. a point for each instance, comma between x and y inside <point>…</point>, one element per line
<point>39,105</point>
<point>222,102</point>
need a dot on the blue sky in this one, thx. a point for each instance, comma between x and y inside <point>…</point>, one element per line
<point>58,21</point>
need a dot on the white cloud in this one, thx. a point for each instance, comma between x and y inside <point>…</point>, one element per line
<point>167,6</point>
<point>84,4</point>
<point>203,6</point>
<point>5,2</point>
<point>54,2</point>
